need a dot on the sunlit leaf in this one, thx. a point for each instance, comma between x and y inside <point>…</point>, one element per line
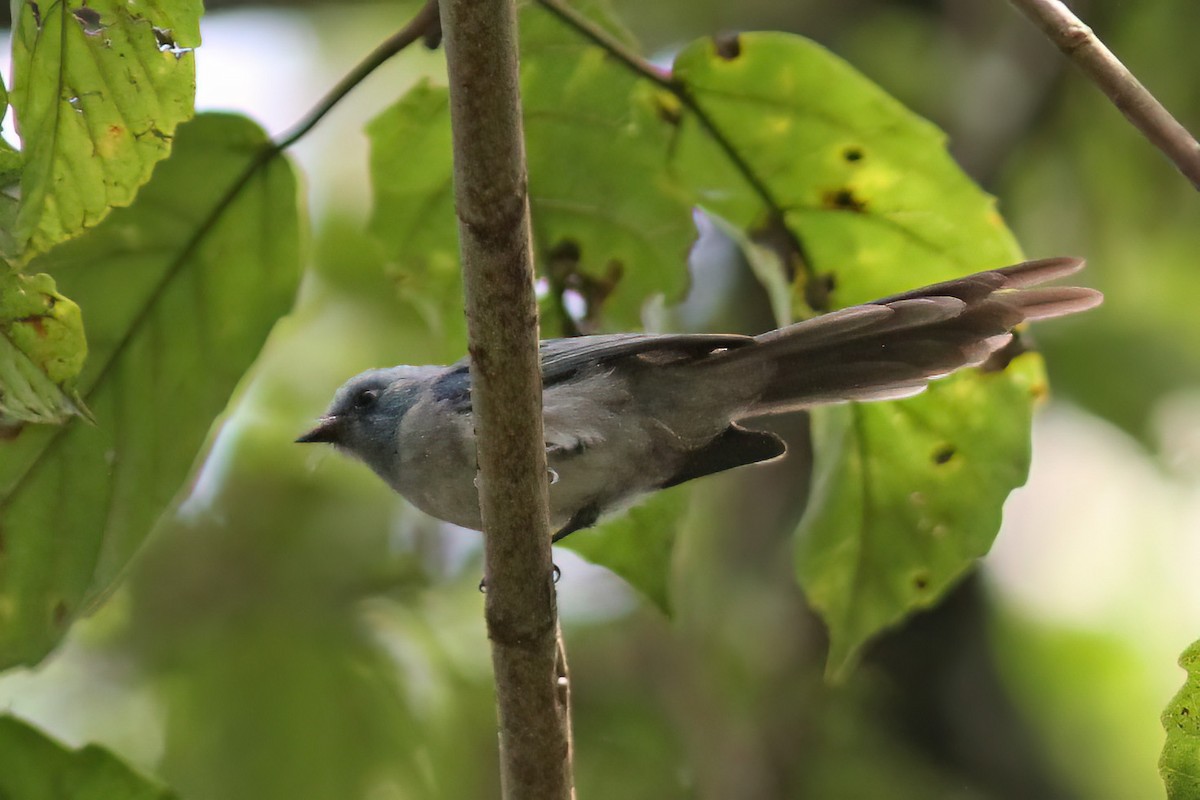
<point>99,87</point>
<point>42,349</point>
<point>1180,761</point>
<point>876,206</point>
<point>865,184</point>
<point>172,328</point>
<point>35,767</point>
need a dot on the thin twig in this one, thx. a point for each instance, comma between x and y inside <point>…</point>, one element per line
<point>643,68</point>
<point>492,203</point>
<point>1080,44</point>
<point>421,26</point>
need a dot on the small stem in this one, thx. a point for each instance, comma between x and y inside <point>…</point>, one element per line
<point>1080,44</point>
<point>643,68</point>
<point>422,26</point>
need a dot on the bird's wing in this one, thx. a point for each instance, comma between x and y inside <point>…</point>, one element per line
<point>563,358</point>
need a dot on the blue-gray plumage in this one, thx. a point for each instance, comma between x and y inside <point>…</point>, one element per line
<point>628,414</point>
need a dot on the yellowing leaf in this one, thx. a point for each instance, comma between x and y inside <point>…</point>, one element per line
<point>98,89</point>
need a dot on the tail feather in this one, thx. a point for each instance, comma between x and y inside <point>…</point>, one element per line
<point>893,347</point>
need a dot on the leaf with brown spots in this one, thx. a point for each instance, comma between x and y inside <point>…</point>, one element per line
<point>898,515</point>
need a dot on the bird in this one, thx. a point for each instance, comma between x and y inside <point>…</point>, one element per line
<point>629,414</point>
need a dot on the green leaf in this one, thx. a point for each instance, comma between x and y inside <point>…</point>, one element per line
<point>10,178</point>
<point>173,327</point>
<point>99,87</point>
<point>864,183</point>
<point>638,544</point>
<point>42,349</point>
<point>876,206</point>
<point>905,497</point>
<point>413,216</point>
<point>610,218</point>
<point>35,767</point>
<point>1180,761</point>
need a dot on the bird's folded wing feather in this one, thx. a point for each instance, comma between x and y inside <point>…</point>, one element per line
<point>563,358</point>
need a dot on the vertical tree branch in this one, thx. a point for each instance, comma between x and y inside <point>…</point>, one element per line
<point>491,200</point>
<point>1079,43</point>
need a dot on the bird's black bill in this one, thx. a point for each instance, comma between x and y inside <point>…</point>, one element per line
<point>326,431</point>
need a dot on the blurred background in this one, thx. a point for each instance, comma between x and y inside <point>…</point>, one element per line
<point>295,631</point>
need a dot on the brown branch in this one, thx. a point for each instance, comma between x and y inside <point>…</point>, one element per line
<point>1077,41</point>
<point>491,200</point>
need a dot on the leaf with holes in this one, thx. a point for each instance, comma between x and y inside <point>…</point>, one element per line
<point>35,767</point>
<point>42,349</point>
<point>610,222</point>
<point>1179,764</point>
<point>99,87</point>
<point>178,306</point>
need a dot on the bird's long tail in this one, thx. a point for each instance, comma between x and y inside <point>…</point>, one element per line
<point>893,347</point>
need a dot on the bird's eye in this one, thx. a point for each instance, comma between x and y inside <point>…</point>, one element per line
<point>366,398</point>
